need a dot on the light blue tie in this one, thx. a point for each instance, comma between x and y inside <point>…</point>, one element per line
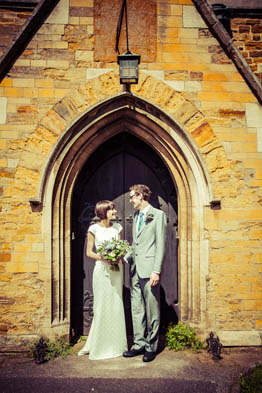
<point>140,221</point>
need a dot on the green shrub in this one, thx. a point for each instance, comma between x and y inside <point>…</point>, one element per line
<point>180,337</point>
<point>55,348</point>
<point>251,382</point>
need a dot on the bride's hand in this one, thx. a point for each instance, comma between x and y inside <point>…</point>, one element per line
<point>104,260</point>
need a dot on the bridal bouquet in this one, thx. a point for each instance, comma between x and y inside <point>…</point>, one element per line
<point>113,250</point>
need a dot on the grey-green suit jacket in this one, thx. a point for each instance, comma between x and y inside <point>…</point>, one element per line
<point>148,245</point>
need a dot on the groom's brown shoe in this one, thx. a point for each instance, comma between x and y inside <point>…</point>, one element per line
<point>133,352</point>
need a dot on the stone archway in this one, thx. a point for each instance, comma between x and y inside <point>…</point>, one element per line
<point>192,189</point>
<point>75,127</point>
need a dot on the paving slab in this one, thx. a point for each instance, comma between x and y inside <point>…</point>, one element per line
<point>182,372</point>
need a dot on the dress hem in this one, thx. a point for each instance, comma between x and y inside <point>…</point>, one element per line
<point>109,357</point>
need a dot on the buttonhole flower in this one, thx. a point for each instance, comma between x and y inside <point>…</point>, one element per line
<point>149,218</point>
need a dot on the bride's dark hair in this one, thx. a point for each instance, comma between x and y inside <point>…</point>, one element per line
<point>102,207</point>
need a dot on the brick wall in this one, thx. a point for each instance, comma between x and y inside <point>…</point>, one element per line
<point>10,24</point>
<point>247,35</point>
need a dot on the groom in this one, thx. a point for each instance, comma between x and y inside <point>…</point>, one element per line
<point>149,227</point>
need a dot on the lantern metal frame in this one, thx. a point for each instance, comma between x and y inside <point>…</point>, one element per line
<point>128,67</point>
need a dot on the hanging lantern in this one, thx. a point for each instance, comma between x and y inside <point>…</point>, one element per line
<point>128,62</point>
<point>128,67</point>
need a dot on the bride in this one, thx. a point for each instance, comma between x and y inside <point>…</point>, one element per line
<point>107,336</point>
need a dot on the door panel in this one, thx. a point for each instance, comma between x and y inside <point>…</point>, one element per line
<point>121,162</point>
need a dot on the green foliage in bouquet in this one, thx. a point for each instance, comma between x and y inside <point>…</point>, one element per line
<point>180,337</point>
<point>113,250</point>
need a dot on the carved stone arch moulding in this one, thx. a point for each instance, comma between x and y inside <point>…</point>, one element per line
<point>75,128</point>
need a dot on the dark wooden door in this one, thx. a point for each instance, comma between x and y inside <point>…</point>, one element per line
<point>121,162</point>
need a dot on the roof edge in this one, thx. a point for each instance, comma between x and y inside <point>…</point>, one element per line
<point>220,33</point>
<point>40,14</point>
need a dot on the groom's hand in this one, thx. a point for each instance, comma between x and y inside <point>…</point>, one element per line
<point>154,279</point>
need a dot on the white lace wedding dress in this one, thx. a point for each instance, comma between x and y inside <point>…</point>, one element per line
<point>107,336</point>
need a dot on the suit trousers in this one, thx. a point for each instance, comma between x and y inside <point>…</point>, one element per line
<point>145,306</point>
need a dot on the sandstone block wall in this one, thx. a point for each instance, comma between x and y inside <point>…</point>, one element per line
<point>247,34</point>
<point>61,62</point>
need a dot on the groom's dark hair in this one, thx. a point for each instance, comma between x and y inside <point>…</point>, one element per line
<point>141,189</point>
<point>102,207</point>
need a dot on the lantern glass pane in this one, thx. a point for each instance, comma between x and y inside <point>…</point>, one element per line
<point>128,68</point>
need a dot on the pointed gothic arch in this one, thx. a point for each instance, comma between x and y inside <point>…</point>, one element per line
<point>178,152</point>
<point>75,127</point>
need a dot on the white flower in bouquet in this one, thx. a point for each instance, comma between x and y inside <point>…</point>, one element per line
<point>113,250</point>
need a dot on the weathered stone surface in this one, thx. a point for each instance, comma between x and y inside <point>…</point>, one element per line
<point>203,134</point>
<point>46,135</point>
<point>32,160</point>
<point>248,40</point>
<point>20,312</point>
<point>161,94</point>
<point>5,300</point>
<point>185,112</point>
<point>176,75</point>
<point>142,39</point>
<point>60,15</point>
<point>66,109</point>
<point>3,109</point>
<point>54,122</point>
<point>239,338</point>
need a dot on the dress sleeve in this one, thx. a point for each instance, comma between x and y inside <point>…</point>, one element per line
<point>92,229</point>
<point>118,227</point>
